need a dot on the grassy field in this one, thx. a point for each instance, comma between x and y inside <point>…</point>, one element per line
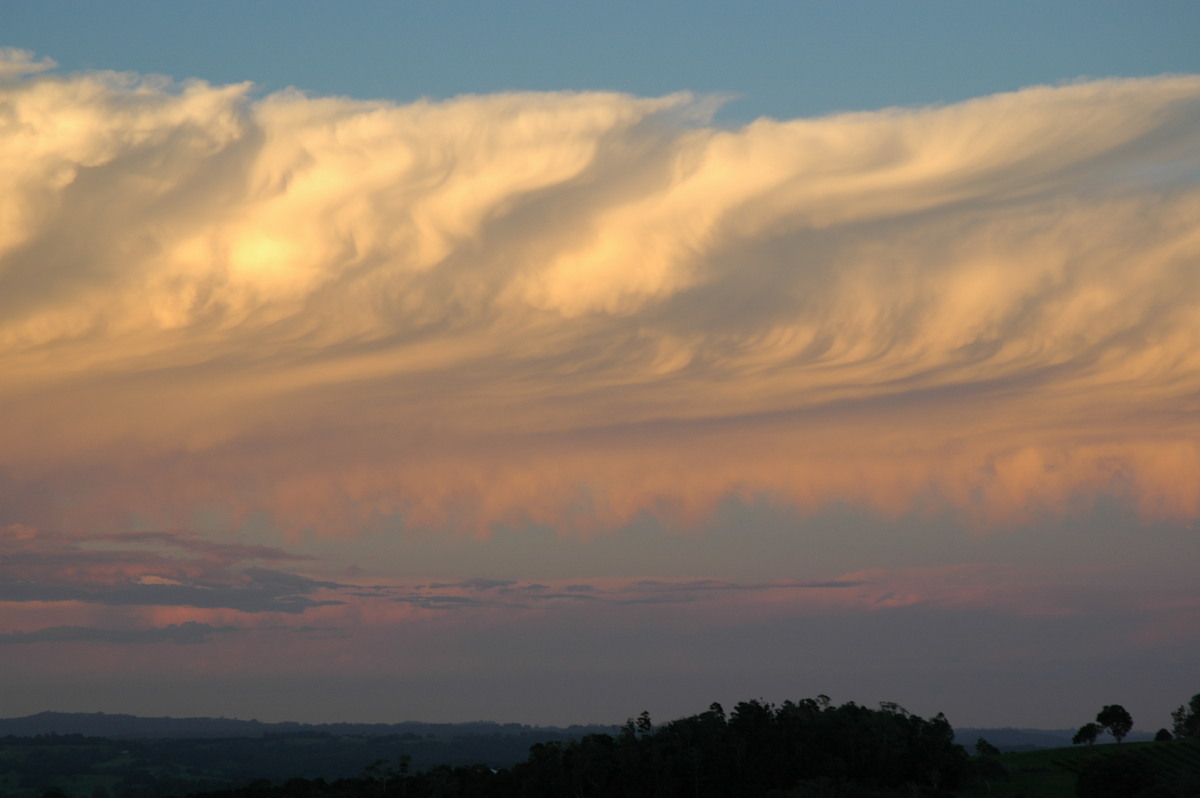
<point>87,767</point>
<point>1052,773</point>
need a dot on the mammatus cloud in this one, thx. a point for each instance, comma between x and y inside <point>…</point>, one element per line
<point>577,309</point>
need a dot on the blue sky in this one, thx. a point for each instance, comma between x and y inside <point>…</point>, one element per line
<point>553,400</point>
<point>778,59</point>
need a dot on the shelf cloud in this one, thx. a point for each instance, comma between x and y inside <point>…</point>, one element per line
<point>578,309</point>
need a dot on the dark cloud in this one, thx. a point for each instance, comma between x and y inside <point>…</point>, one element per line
<point>244,597</point>
<point>52,567</point>
<point>712,586</point>
<point>437,602</point>
<point>193,543</point>
<point>475,584</point>
<point>513,594</point>
<point>658,600</point>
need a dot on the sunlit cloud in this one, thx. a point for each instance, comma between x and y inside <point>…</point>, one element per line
<point>17,63</point>
<point>576,310</point>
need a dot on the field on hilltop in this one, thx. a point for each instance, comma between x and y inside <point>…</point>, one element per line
<point>1054,772</point>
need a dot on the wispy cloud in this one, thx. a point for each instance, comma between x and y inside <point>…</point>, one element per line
<point>17,63</point>
<point>577,309</point>
<point>194,544</point>
<point>57,567</point>
<point>189,632</point>
<point>512,594</point>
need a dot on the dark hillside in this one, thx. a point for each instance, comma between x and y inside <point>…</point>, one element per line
<point>796,750</point>
<point>157,767</point>
<point>1054,773</point>
<point>799,749</point>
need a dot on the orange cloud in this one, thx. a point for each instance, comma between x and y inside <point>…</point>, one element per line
<point>576,309</point>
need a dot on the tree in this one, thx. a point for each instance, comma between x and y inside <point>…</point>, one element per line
<point>1087,734</point>
<point>984,748</point>
<point>1163,736</point>
<point>989,770</point>
<point>1187,719</point>
<point>1115,720</point>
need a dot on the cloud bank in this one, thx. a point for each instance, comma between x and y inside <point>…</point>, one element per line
<point>189,632</point>
<point>91,568</point>
<point>579,309</point>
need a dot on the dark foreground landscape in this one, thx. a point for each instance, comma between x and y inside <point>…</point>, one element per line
<point>799,749</point>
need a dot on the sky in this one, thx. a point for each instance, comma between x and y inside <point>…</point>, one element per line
<point>548,363</point>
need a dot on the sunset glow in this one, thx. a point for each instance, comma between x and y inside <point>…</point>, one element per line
<point>523,390</point>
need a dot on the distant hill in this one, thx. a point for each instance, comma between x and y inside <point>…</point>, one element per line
<point>1010,739</point>
<point>751,753</point>
<point>136,757</point>
<point>132,727</point>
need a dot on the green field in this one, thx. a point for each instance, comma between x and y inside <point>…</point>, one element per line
<point>1053,772</point>
<point>84,767</point>
<point>101,768</point>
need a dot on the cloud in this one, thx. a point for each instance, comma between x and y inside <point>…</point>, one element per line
<point>512,594</point>
<point>192,543</point>
<point>476,584</point>
<point>17,63</point>
<point>57,567</point>
<point>189,632</point>
<point>580,309</point>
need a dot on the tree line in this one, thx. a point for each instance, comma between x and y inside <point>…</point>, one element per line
<point>1117,721</point>
<point>801,749</point>
<point>798,749</point>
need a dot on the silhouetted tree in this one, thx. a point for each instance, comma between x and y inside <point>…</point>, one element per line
<point>988,770</point>
<point>984,748</point>
<point>799,749</point>
<point>1163,736</point>
<point>1087,734</point>
<point>1187,719</point>
<point>1116,720</point>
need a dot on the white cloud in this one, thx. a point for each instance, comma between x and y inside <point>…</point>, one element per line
<point>561,307</point>
<point>17,63</point>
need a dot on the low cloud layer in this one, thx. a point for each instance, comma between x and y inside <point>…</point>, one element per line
<point>146,570</point>
<point>579,309</point>
<point>189,632</point>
